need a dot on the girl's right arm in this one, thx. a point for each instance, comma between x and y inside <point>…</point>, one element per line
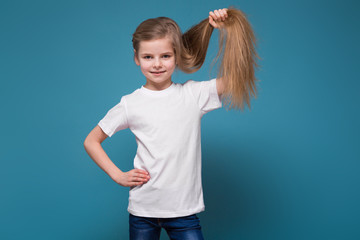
<point>93,147</point>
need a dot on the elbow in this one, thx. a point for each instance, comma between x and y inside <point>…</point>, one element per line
<point>95,137</point>
<point>89,142</point>
<point>86,143</point>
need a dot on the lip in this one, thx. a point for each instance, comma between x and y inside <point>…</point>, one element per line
<point>158,73</point>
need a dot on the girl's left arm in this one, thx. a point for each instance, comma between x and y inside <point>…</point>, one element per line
<point>215,19</point>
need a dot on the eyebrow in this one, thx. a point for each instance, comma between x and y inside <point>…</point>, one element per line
<point>160,54</point>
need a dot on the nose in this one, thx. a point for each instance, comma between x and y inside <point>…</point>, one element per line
<point>157,63</point>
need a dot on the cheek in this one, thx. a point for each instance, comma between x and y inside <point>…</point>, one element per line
<point>170,64</point>
<point>145,65</point>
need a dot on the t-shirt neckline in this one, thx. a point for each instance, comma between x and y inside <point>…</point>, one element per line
<point>156,93</point>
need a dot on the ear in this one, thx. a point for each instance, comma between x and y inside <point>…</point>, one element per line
<point>136,59</point>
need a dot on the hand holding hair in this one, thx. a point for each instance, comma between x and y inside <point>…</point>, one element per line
<point>217,16</point>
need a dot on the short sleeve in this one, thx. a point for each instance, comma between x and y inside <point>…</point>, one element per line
<point>206,95</point>
<point>115,119</point>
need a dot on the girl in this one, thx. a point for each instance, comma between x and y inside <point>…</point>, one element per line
<point>165,184</point>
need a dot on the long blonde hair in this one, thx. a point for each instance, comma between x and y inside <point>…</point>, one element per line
<point>237,54</point>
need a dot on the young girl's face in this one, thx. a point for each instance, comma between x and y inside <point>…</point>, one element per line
<point>156,59</point>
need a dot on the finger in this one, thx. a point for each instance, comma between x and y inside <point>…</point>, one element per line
<point>135,184</point>
<point>225,12</point>
<point>136,179</point>
<point>140,178</point>
<point>217,13</point>
<point>211,21</point>
<point>212,14</point>
<point>221,13</point>
<point>214,18</point>
<point>141,171</point>
<point>137,170</point>
<point>144,177</point>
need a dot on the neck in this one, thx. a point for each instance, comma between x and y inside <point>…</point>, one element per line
<point>158,86</point>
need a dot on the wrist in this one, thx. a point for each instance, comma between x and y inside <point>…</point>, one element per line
<point>116,174</point>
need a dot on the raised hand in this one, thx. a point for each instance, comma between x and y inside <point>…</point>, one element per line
<point>217,16</point>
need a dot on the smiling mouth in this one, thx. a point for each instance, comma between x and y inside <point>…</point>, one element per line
<point>158,72</point>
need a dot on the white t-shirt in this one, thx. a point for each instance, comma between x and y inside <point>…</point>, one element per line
<point>166,125</point>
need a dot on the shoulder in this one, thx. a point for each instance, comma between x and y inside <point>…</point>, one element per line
<point>131,96</point>
<point>196,83</point>
<point>200,85</point>
<point>191,83</point>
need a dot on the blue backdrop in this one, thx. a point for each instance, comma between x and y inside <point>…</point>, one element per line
<point>286,169</point>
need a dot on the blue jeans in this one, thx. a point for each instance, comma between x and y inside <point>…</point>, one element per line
<point>178,228</point>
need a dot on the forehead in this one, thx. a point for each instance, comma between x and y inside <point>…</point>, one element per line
<point>156,46</point>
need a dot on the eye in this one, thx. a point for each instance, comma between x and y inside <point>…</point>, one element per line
<point>167,56</point>
<point>147,57</point>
